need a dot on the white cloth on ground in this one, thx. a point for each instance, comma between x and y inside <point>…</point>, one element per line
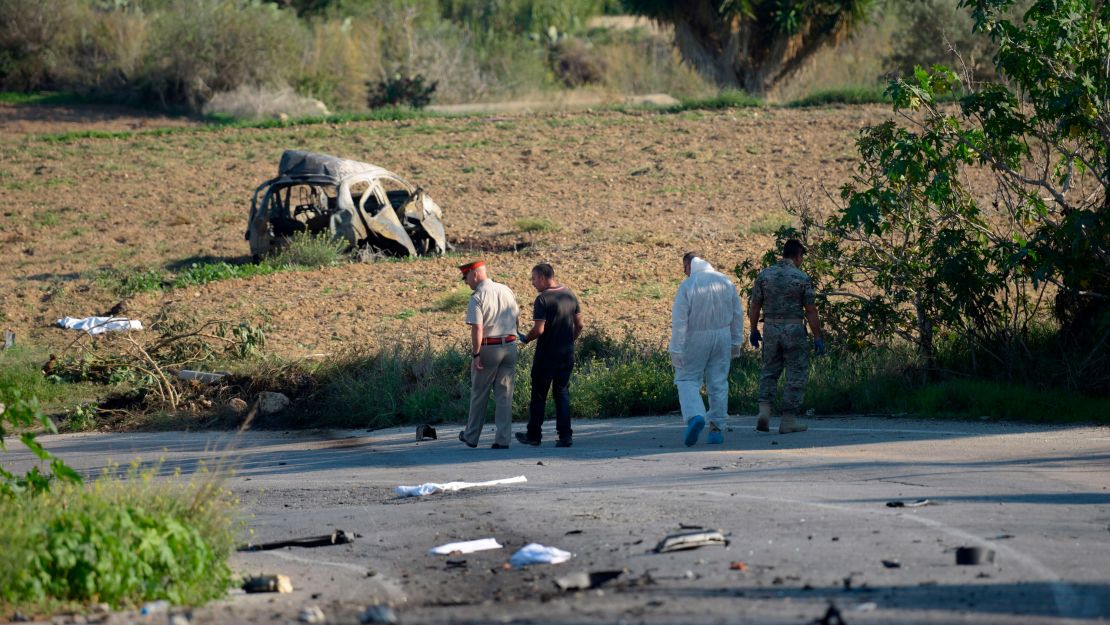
<point>707,322</point>
<point>535,553</point>
<point>100,325</point>
<point>467,546</point>
<point>433,487</point>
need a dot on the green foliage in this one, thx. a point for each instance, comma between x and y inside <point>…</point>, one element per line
<point>846,95</point>
<point>919,256</point>
<point>726,99</point>
<point>118,541</point>
<point>305,249</point>
<point>536,224</point>
<point>22,415</point>
<point>203,273</point>
<point>397,90</point>
<point>454,301</point>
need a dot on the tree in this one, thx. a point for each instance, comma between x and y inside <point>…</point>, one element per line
<point>918,251</point>
<point>753,45</point>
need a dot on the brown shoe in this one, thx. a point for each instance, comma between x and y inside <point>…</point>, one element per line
<point>764,423</point>
<point>787,425</point>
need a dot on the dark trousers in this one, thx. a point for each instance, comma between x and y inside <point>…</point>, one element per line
<point>557,379</point>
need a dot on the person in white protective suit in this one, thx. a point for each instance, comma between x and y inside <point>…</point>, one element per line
<point>707,332</point>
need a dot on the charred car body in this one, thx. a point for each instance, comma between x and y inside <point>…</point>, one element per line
<point>363,204</point>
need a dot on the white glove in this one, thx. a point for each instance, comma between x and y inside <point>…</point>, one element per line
<point>676,360</point>
<point>736,350</point>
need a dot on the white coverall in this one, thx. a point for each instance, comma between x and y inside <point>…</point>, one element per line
<point>707,328</point>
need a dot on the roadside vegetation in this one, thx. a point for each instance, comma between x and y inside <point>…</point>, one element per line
<point>122,539</point>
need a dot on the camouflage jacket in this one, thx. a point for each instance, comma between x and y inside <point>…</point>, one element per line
<point>782,291</point>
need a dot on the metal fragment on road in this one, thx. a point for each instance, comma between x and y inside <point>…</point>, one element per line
<point>892,564</point>
<point>311,614</point>
<point>691,540</point>
<point>425,431</point>
<point>971,556</point>
<point>268,583</point>
<point>586,581</point>
<point>917,503</point>
<point>338,537</point>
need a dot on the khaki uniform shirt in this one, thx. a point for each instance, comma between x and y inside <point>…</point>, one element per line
<point>494,306</point>
<point>782,290</point>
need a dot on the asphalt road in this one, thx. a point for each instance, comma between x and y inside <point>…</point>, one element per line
<point>804,513</point>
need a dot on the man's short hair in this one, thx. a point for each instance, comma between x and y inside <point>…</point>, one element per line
<point>688,257</point>
<point>793,249</point>
<point>545,270</point>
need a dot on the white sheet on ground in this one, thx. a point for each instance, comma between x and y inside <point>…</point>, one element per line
<point>469,546</point>
<point>432,487</point>
<point>100,325</point>
<point>535,553</point>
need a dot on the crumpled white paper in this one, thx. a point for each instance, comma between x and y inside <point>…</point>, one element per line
<point>469,546</point>
<point>100,325</point>
<point>535,553</point>
<point>432,487</point>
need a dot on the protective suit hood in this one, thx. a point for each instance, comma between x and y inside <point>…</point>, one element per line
<point>698,265</point>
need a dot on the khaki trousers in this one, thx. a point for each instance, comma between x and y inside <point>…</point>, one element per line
<point>498,367</point>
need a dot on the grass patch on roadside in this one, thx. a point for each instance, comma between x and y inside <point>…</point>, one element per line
<point>455,301</point>
<point>770,224</point>
<point>846,95</point>
<point>21,368</point>
<point>119,540</point>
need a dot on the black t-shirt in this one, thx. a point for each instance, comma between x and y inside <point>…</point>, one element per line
<point>556,308</point>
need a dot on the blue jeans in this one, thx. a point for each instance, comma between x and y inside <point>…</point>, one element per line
<point>557,379</point>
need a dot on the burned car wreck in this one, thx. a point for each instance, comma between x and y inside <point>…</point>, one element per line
<point>363,204</point>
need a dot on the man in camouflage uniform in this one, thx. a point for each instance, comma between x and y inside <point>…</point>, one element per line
<point>782,292</point>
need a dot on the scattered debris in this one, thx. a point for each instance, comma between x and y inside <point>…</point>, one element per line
<point>456,564</point>
<point>432,487</point>
<point>468,546</point>
<point>425,431</point>
<point>9,339</point>
<point>572,532</point>
<point>737,566</point>
<point>540,464</point>
<point>691,540</point>
<point>917,503</point>
<point>535,553</point>
<point>338,537</point>
<point>690,526</point>
<point>100,325</point>
<point>974,555</point>
<point>1003,536</point>
<point>154,607</point>
<point>311,614</point>
<point>869,606</point>
<point>268,583</point>
<point>586,581</point>
<point>178,619</point>
<point>713,468</point>
<point>832,617</point>
<point>380,613</point>
<point>203,377</point>
<point>270,402</point>
<point>892,564</point>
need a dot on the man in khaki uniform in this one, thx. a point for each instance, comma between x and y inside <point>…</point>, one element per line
<point>492,316</point>
<point>783,293</point>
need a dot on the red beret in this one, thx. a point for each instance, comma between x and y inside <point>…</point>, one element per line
<point>471,266</point>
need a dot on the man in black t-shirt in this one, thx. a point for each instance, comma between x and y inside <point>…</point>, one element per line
<point>558,322</point>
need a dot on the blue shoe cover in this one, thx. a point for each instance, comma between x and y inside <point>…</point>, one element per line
<point>693,430</point>
<point>715,437</point>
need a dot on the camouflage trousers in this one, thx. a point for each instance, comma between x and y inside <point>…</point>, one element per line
<point>785,346</point>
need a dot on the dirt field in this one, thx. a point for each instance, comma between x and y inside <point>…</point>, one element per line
<point>628,193</point>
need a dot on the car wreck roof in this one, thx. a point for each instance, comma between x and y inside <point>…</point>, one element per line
<point>301,164</point>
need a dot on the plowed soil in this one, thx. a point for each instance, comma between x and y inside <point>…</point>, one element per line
<point>626,194</point>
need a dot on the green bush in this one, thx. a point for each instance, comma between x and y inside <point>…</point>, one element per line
<point>203,273</point>
<point>117,541</point>
<point>305,249</point>
<point>398,90</point>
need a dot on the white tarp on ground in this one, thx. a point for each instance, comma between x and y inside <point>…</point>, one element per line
<point>100,325</point>
<point>535,553</point>
<point>432,487</point>
<point>469,546</point>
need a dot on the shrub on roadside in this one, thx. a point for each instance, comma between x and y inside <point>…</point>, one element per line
<point>400,90</point>
<point>120,541</point>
